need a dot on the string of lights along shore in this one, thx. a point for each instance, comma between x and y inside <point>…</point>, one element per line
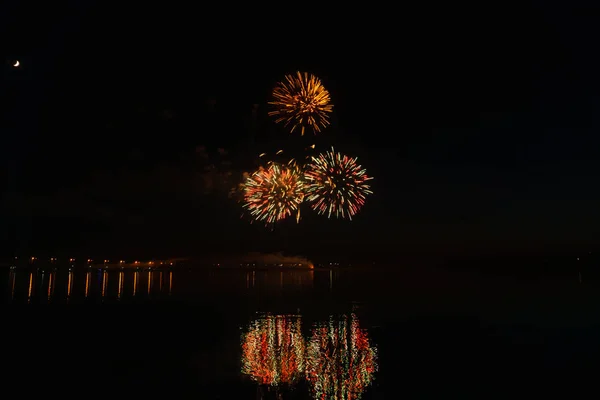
<point>331,183</point>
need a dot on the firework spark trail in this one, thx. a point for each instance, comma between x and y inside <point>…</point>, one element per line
<point>336,184</point>
<point>302,102</point>
<point>274,193</point>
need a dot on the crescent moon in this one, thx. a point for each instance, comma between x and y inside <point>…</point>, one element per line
<point>17,63</point>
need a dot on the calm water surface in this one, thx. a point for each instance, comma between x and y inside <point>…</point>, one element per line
<point>282,334</point>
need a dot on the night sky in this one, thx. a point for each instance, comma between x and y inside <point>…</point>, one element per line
<point>124,128</point>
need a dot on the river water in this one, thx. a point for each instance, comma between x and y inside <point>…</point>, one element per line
<point>296,334</point>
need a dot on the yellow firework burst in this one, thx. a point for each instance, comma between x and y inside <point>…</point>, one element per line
<point>301,101</point>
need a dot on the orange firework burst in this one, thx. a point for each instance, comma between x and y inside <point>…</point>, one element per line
<point>302,102</point>
<point>274,193</point>
<point>336,184</point>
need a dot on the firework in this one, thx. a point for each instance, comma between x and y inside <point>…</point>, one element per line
<point>336,184</point>
<point>301,101</point>
<point>274,193</point>
<point>340,362</point>
<point>273,350</point>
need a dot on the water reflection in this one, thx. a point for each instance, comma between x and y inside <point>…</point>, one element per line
<point>69,285</point>
<point>29,292</point>
<point>330,279</point>
<point>60,284</point>
<point>136,277</point>
<point>120,287</point>
<point>340,360</point>
<point>42,280</point>
<point>274,280</point>
<point>11,279</point>
<point>88,276</point>
<point>273,350</point>
<point>104,282</point>
<point>51,285</point>
<point>250,279</point>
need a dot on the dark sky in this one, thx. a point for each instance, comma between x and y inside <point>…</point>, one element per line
<point>124,128</point>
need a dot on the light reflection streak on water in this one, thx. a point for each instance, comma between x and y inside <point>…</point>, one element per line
<point>136,274</point>
<point>104,282</point>
<point>160,281</point>
<point>50,282</point>
<point>88,276</point>
<point>149,281</point>
<point>12,284</point>
<point>331,279</point>
<point>29,292</point>
<point>170,282</point>
<point>70,284</point>
<point>120,288</point>
<point>53,283</point>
